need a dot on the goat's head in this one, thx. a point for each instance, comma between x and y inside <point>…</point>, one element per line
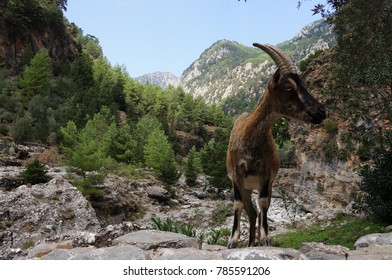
<point>289,94</point>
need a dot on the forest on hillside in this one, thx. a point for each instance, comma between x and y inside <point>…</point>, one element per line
<point>99,116</point>
<point>102,120</point>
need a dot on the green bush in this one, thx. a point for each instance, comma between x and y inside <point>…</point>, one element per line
<point>35,173</point>
<point>287,154</point>
<point>331,126</point>
<point>3,129</point>
<point>377,185</point>
<point>331,149</point>
<point>88,187</point>
<point>364,152</point>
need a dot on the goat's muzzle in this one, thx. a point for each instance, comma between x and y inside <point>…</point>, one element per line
<point>317,115</point>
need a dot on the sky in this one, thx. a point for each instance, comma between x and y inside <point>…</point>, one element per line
<point>168,35</point>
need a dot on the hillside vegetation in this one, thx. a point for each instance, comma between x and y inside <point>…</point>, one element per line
<point>100,117</point>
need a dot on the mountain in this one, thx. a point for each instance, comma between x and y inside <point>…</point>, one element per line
<point>162,79</point>
<point>233,74</point>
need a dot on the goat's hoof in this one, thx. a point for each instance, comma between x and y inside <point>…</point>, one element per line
<point>266,242</point>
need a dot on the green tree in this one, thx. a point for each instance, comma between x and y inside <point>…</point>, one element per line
<point>213,157</point>
<point>36,77</point>
<point>22,128</point>
<point>364,84</point>
<point>122,146</point>
<point>35,173</point>
<point>144,128</point>
<point>377,185</point>
<point>192,167</point>
<point>159,155</point>
<point>89,148</point>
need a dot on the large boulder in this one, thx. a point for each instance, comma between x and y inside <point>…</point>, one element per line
<point>44,211</point>
<point>374,239</point>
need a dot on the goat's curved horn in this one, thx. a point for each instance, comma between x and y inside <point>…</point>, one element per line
<point>282,60</point>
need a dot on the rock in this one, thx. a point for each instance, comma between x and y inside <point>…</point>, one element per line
<point>389,227</point>
<point>321,251</point>
<point>10,183</point>
<point>383,252</point>
<point>48,210</point>
<point>43,249</point>
<point>263,253</point>
<point>323,256</point>
<point>154,239</point>
<point>158,193</point>
<point>200,194</point>
<point>323,248</point>
<point>374,239</point>
<point>106,235</point>
<point>122,201</point>
<point>185,254</point>
<point>122,252</point>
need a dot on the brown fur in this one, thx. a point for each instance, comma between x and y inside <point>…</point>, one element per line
<point>252,159</point>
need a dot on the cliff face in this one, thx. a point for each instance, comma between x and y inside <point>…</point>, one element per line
<point>23,34</point>
<point>324,184</point>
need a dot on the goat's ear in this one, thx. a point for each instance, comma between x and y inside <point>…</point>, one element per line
<point>276,78</point>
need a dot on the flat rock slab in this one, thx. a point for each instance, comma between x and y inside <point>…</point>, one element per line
<point>263,253</point>
<point>185,254</point>
<point>312,248</point>
<point>154,239</point>
<point>121,252</point>
<point>383,252</point>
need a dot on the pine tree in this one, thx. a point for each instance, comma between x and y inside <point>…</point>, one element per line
<point>159,155</point>
<point>36,77</point>
<point>192,167</point>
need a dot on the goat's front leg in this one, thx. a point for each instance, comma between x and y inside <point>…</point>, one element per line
<point>264,202</point>
<point>252,216</point>
<point>238,207</point>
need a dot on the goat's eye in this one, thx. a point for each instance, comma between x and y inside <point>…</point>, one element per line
<point>288,89</point>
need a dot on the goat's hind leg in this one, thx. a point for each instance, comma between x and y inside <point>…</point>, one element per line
<point>238,207</point>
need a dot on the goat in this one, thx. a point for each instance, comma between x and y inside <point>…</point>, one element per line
<point>252,160</point>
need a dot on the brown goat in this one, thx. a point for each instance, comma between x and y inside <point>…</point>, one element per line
<point>252,159</point>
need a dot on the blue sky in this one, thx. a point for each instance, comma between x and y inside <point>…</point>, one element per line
<point>168,35</point>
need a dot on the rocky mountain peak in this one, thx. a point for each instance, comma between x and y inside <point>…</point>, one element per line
<point>230,70</point>
<point>162,79</point>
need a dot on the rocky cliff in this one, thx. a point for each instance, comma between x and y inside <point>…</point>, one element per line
<point>26,28</point>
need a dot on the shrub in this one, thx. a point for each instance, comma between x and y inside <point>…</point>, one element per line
<point>377,185</point>
<point>220,212</point>
<point>287,154</point>
<point>331,126</point>
<point>364,152</point>
<point>35,173</point>
<point>89,186</point>
<point>3,129</point>
<point>331,149</point>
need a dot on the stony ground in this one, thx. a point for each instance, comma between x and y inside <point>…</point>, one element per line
<point>55,221</point>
